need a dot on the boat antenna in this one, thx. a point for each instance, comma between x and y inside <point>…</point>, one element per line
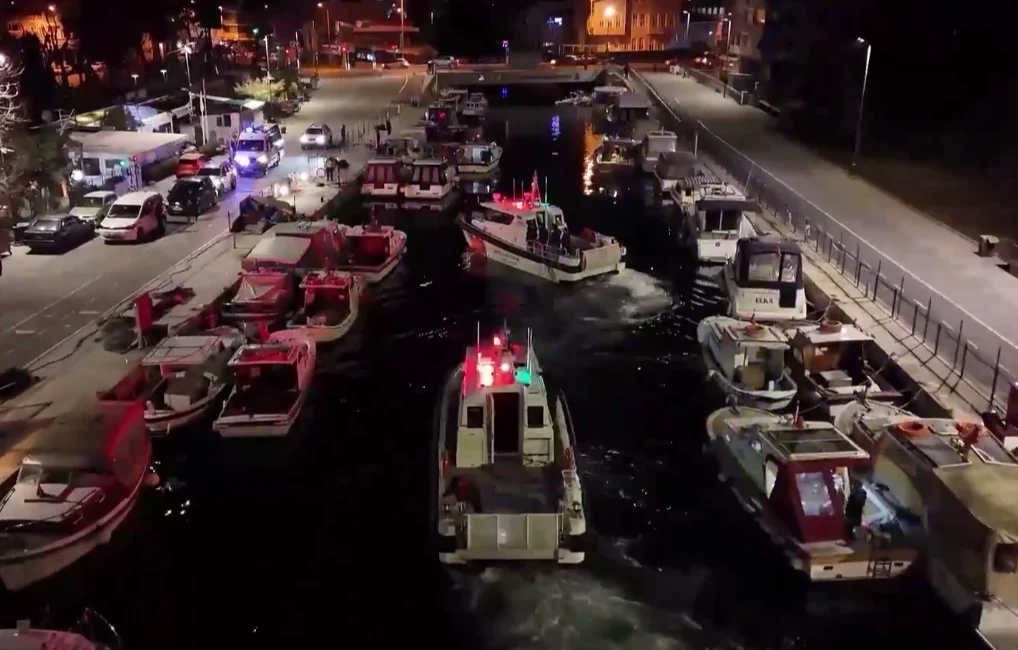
<point>514,189</point>
<point>545,189</point>
<point>478,337</point>
<point>530,347</point>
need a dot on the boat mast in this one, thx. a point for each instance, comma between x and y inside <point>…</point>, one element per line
<point>545,189</point>
<point>478,337</point>
<point>530,347</point>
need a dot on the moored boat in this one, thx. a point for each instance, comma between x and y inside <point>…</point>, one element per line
<point>260,297</point>
<point>615,155</point>
<point>747,361</point>
<point>654,145</point>
<point>507,486</point>
<point>371,250</point>
<point>478,158</point>
<point>74,488</point>
<point>190,375</point>
<point>799,482</point>
<point>715,219</point>
<point>91,632</point>
<point>331,305</point>
<point>764,280</point>
<point>271,384</point>
<point>530,235</point>
<point>382,177</point>
<point>670,168</point>
<point>430,178</point>
<point>476,105</point>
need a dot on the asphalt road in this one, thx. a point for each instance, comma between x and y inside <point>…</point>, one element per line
<point>44,298</point>
<point>934,264</point>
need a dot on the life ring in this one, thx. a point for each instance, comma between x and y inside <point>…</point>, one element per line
<point>969,432</point>
<point>913,429</point>
<point>830,325</point>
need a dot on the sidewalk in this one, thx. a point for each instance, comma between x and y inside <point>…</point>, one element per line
<point>920,271</point>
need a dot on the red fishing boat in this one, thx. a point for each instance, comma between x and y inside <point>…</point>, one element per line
<point>371,250</point>
<point>331,304</point>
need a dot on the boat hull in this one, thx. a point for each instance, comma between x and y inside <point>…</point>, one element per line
<point>433,192</point>
<point>389,189</point>
<point>529,262</point>
<point>163,422</point>
<point>767,400</point>
<point>715,251</point>
<point>19,571</point>
<point>330,333</point>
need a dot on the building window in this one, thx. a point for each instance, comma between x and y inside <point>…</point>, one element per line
<point>639,43</point>
<point>602,24</point>
<point>91,167</point>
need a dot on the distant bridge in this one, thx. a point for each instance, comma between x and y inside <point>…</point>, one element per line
<point>508,76</point>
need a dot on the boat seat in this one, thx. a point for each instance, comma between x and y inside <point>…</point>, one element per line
<point>753,376</point>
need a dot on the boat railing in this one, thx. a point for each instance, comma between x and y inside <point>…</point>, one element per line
<point>551,252</point>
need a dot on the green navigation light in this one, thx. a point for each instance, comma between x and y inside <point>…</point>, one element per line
<point>523,376</point>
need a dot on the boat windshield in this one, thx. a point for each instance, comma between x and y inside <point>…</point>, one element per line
<point>815,497</point>
<point>773,267</point>
<point>35,474</point>
<point>381,173</point>
<point>660,144</point>
<point>721,220</point>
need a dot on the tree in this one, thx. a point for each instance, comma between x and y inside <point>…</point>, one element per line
<point>39,169</point>
<point>118,118</point>
<point>10,117</point>
<point>265,90</point>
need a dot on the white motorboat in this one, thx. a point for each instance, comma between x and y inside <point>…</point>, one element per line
<point>831,369</point>
<point>957,482</point>
<point>405,147</point>
<point>576,98</point>
<point>656,143</point>
<point>506,484</point>
<point>629,109</point>
<point>91,632</point>
<point>430,178</point>
<point>802,484</point>
<point>476,105</point>
<point>606,95</point>
<point>530,235</point>
<point>74,488</point>
<point>764,280</point>
<point>747,360</point>
<point>331,305</point>
<point>454,96</point>
<point>671,167</point>
<point>715,218</point>
<point>190,374</point>
<point>371,250</point>
<point>271,384</point>
<point>615,155</point>
<point>382,177</point>
<point>478,158</point>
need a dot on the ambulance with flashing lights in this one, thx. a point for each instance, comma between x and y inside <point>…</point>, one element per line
<point>505,481</point>
<point>255,153</point>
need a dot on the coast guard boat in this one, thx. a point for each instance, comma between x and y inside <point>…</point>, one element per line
<point>530,235</point>
<point>506,484</point>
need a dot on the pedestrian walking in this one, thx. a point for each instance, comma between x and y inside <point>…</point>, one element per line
<point>342,136</point>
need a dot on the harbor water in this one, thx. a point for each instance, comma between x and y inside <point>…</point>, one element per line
<point>333,543</point>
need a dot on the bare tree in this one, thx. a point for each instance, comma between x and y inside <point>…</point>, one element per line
<point>10,116</point>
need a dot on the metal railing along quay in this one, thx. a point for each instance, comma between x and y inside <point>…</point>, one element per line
<point>715,84</point>
<point>944,329</point>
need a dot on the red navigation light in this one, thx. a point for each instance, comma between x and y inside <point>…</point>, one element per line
<point>497,342</point>
<point>505,367</point>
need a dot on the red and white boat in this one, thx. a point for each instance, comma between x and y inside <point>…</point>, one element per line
<point>91,632</point>
<point>271,383</point>
<point>190,376</point>
<point>74,488</point>
<point>331,304</point>
<point>371,250</point>
<point>382,177</point>
<point>805,484</point>
<point>260,297</point>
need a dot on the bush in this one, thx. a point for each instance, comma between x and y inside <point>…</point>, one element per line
<point>160,170</point>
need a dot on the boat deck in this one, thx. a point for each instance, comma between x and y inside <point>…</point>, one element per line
<point>507,487</point>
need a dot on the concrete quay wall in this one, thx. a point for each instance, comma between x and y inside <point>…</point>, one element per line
<point>962,375</point>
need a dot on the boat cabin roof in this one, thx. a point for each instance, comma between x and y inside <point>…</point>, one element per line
<point>430,162</point>
<point>283,250</point>
<point>742,333</point>
<point>499,364</point>
<point>699,179</point>
<point>619,140</point>
<point>801,441</point>
<point>185,350</point>
<point>403,138</point>
<point>630,100</point>
<point>327,280</point>
<point>768,244</point>
<point>819,335</point>
<point>300,228</point>
<point>726,203</point>
<point>525,209</point>
<point>370,230</point>
<point>263,354</point>
<point>675,164</point>
<point>611,90</point>
<point>663,134</point>
<point>478,144</point>
<point>384,160</point>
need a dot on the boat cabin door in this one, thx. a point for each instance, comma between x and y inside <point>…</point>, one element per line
<point>505,422</point>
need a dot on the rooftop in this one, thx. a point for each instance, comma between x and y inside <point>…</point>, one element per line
<point>126,143</point>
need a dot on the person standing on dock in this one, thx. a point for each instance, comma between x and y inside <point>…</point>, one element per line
<point>388,125</point>
<point>342,136</point>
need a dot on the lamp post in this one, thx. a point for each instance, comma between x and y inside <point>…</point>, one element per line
<point>164,71</point>
<point>862,100</point>
<point>267,73</point>
<point>689,15</point>
<point>401,25</point>
<point>135,77</point>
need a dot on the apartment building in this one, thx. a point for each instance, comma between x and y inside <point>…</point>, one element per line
<point>634,25</point>
<point>747,22</point>
<point>231,30</point>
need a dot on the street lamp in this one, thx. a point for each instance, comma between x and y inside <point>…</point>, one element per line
<point>267,57</point>
<point>728,45</point>
<point>328,20</point>
<point>164,71</point>
<point>689,15</point>
<point>862,100</point>
<point>401,19</point>
<point>135,77</point>
<point>609,11</point>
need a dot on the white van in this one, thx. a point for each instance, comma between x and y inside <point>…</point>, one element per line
<point>133,217</point>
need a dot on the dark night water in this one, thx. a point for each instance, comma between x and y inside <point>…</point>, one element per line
<point>334,544</point>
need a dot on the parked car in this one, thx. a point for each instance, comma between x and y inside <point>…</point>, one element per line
<point>398,64</point>
<point>133,217</point>
<point>189,164</point>
<point>316,136</point>
<point>94,206</point>
<point>59,232</point>
<point>222,174</point>
<point>444,62</point>
<point>192,196</point>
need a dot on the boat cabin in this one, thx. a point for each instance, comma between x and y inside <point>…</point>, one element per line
<point>671,167</point>
<point>478,153</point>
<point>803,471</point>
<point>752,355</point>
<point>616,153</point>
<point>688,188</point>
<point>430,178</point>
<point>476,105</point>
<point>382,177</point>
<point>406,147</point>
<point>266,378</point>
<point>441,115</point>
<point>655,143</point>
<point>294,246</point>
<point>607,94</point>
<point>764,280</point>
<point>329,296</point>
<point>184,367</point>
<point>718,221</point>
<point>260,296</point>
<point>369,245</point>
<point>832,359</point>
<point>629,108</point>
